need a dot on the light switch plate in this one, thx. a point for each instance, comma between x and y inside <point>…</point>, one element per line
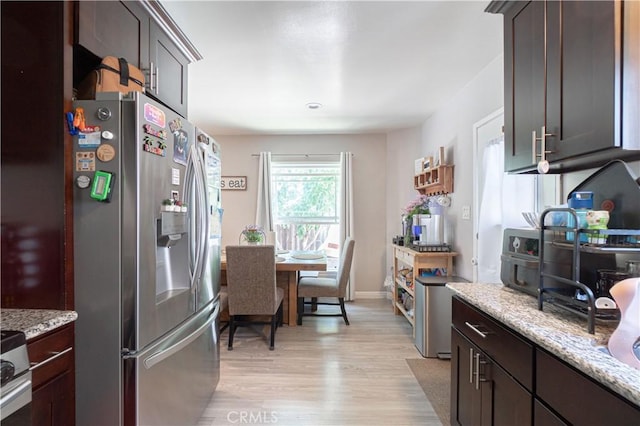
<point>466,212</point>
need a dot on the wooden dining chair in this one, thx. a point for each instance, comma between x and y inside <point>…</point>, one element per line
<point>327,286</point>
<point>251,288</point>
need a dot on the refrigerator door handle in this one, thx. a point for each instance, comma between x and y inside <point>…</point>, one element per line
<point>195,247</point>
<point>204,212</point>
<point>188,188</point>
<point>159,356</point>
<point>200,218</point>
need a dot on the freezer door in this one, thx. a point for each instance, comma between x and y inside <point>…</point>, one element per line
<point>174,380</point>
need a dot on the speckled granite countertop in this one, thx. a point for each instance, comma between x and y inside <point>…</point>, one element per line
<point>557,331</point>
<point>34,322</point>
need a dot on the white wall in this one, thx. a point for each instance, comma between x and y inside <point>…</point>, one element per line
<point>369,185</point>
<point>451,126</point>
<point>403,146</point>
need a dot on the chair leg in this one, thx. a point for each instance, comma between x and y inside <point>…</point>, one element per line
<point>274,321</point>
<point>314,304</point>
<point>300,309</point>
<point>280,315</point>
<point>344,311</point>
<point>232,330</point>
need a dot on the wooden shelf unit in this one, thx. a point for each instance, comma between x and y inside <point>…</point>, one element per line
<point>404,257</point>
<point>435,181</point>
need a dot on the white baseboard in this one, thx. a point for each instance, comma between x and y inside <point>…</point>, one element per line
<point>371,295</point>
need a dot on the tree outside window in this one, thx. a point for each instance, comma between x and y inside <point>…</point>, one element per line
<point>305,206</point>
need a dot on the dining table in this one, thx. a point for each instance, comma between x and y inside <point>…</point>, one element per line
<point>289,265</point>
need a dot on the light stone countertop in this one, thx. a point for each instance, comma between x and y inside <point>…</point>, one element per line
<point>559,332</point>
<point>34,322</point>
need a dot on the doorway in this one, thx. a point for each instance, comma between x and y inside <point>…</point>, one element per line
<point>498,198</point>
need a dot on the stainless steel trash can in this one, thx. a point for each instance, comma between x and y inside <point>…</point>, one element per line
<point>433,316</point>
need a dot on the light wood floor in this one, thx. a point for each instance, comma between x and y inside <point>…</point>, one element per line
<point>323,373</point>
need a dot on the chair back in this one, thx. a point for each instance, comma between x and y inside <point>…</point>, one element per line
<point>251,280</point>
<point>344,267</point>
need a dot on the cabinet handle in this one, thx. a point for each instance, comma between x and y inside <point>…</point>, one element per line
<point>35,365</point>
<point>543,145</point>
<point>474,327</point>
<point>534,155</point>
<point>157,80</point>
<point>477,372</point>
<point>470,365</point>
<point>153,78</point>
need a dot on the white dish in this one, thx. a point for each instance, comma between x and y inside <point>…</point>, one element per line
<point>307,256</point>
<point>605,303</point>
<point>282,252</point>
<point>280,259</point>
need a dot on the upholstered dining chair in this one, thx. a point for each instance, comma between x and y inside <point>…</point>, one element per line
<point>327,286</point>
<point>251,288</point>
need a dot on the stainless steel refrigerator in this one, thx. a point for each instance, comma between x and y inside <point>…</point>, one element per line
<point>147,263</point>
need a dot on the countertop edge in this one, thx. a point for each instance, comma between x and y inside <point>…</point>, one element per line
<point>35,322</point>
<point>564,337</point>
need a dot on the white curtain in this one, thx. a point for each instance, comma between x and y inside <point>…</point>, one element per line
<point>264,217</point>
<point>490,213</point>
<point>503,198</point>
<point>346,212</point>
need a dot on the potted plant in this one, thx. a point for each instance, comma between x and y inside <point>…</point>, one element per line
<point>167,205</point>
<point>252,234</point>
<point>419,205</point>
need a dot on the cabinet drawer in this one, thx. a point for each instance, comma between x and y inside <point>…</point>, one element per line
<point>51,354</point>
<point>405,257</point>
<point>509,350</point>
<point>580,400</point>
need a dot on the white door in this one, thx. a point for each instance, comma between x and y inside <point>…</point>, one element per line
<point>499,198</point>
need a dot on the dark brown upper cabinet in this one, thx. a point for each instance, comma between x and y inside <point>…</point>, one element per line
<point>138,32</point>
<point>114,28</point>
<point>167,80</point>
<point>570,71</point>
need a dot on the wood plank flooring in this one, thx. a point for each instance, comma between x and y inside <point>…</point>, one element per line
<point>323,373</point>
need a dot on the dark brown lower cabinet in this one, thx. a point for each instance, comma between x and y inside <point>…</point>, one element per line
<point>543,416</point>
<point>577,398</point>
<point>492,380</point>
<point>483,393</point>
<point>52,359</point>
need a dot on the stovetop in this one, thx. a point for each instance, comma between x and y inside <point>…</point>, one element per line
<point>10,340</point>
<point>14,359</point>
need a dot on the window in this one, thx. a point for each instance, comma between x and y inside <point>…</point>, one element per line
<point>305,206</point>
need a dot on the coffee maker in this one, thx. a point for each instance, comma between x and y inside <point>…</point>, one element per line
<point>428,229</point>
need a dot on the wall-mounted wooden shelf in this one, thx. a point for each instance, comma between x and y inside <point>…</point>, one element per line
<point>435,181</point>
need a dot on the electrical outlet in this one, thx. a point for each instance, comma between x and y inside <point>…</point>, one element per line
<point>466,212</point>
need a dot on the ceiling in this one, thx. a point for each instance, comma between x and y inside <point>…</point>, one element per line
<point>374,66</point>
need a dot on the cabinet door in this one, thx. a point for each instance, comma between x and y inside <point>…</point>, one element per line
<point>482,392</point>
<point>466,401</point>
<point>586,402</point>
<point>510,402</point>
<point>53,404</point>
<point>114,28</point>
<point>524,82</point>
<point>52,356</point>
<point>542,416</point>
<point>168,82</point>
<point>581,77</point>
